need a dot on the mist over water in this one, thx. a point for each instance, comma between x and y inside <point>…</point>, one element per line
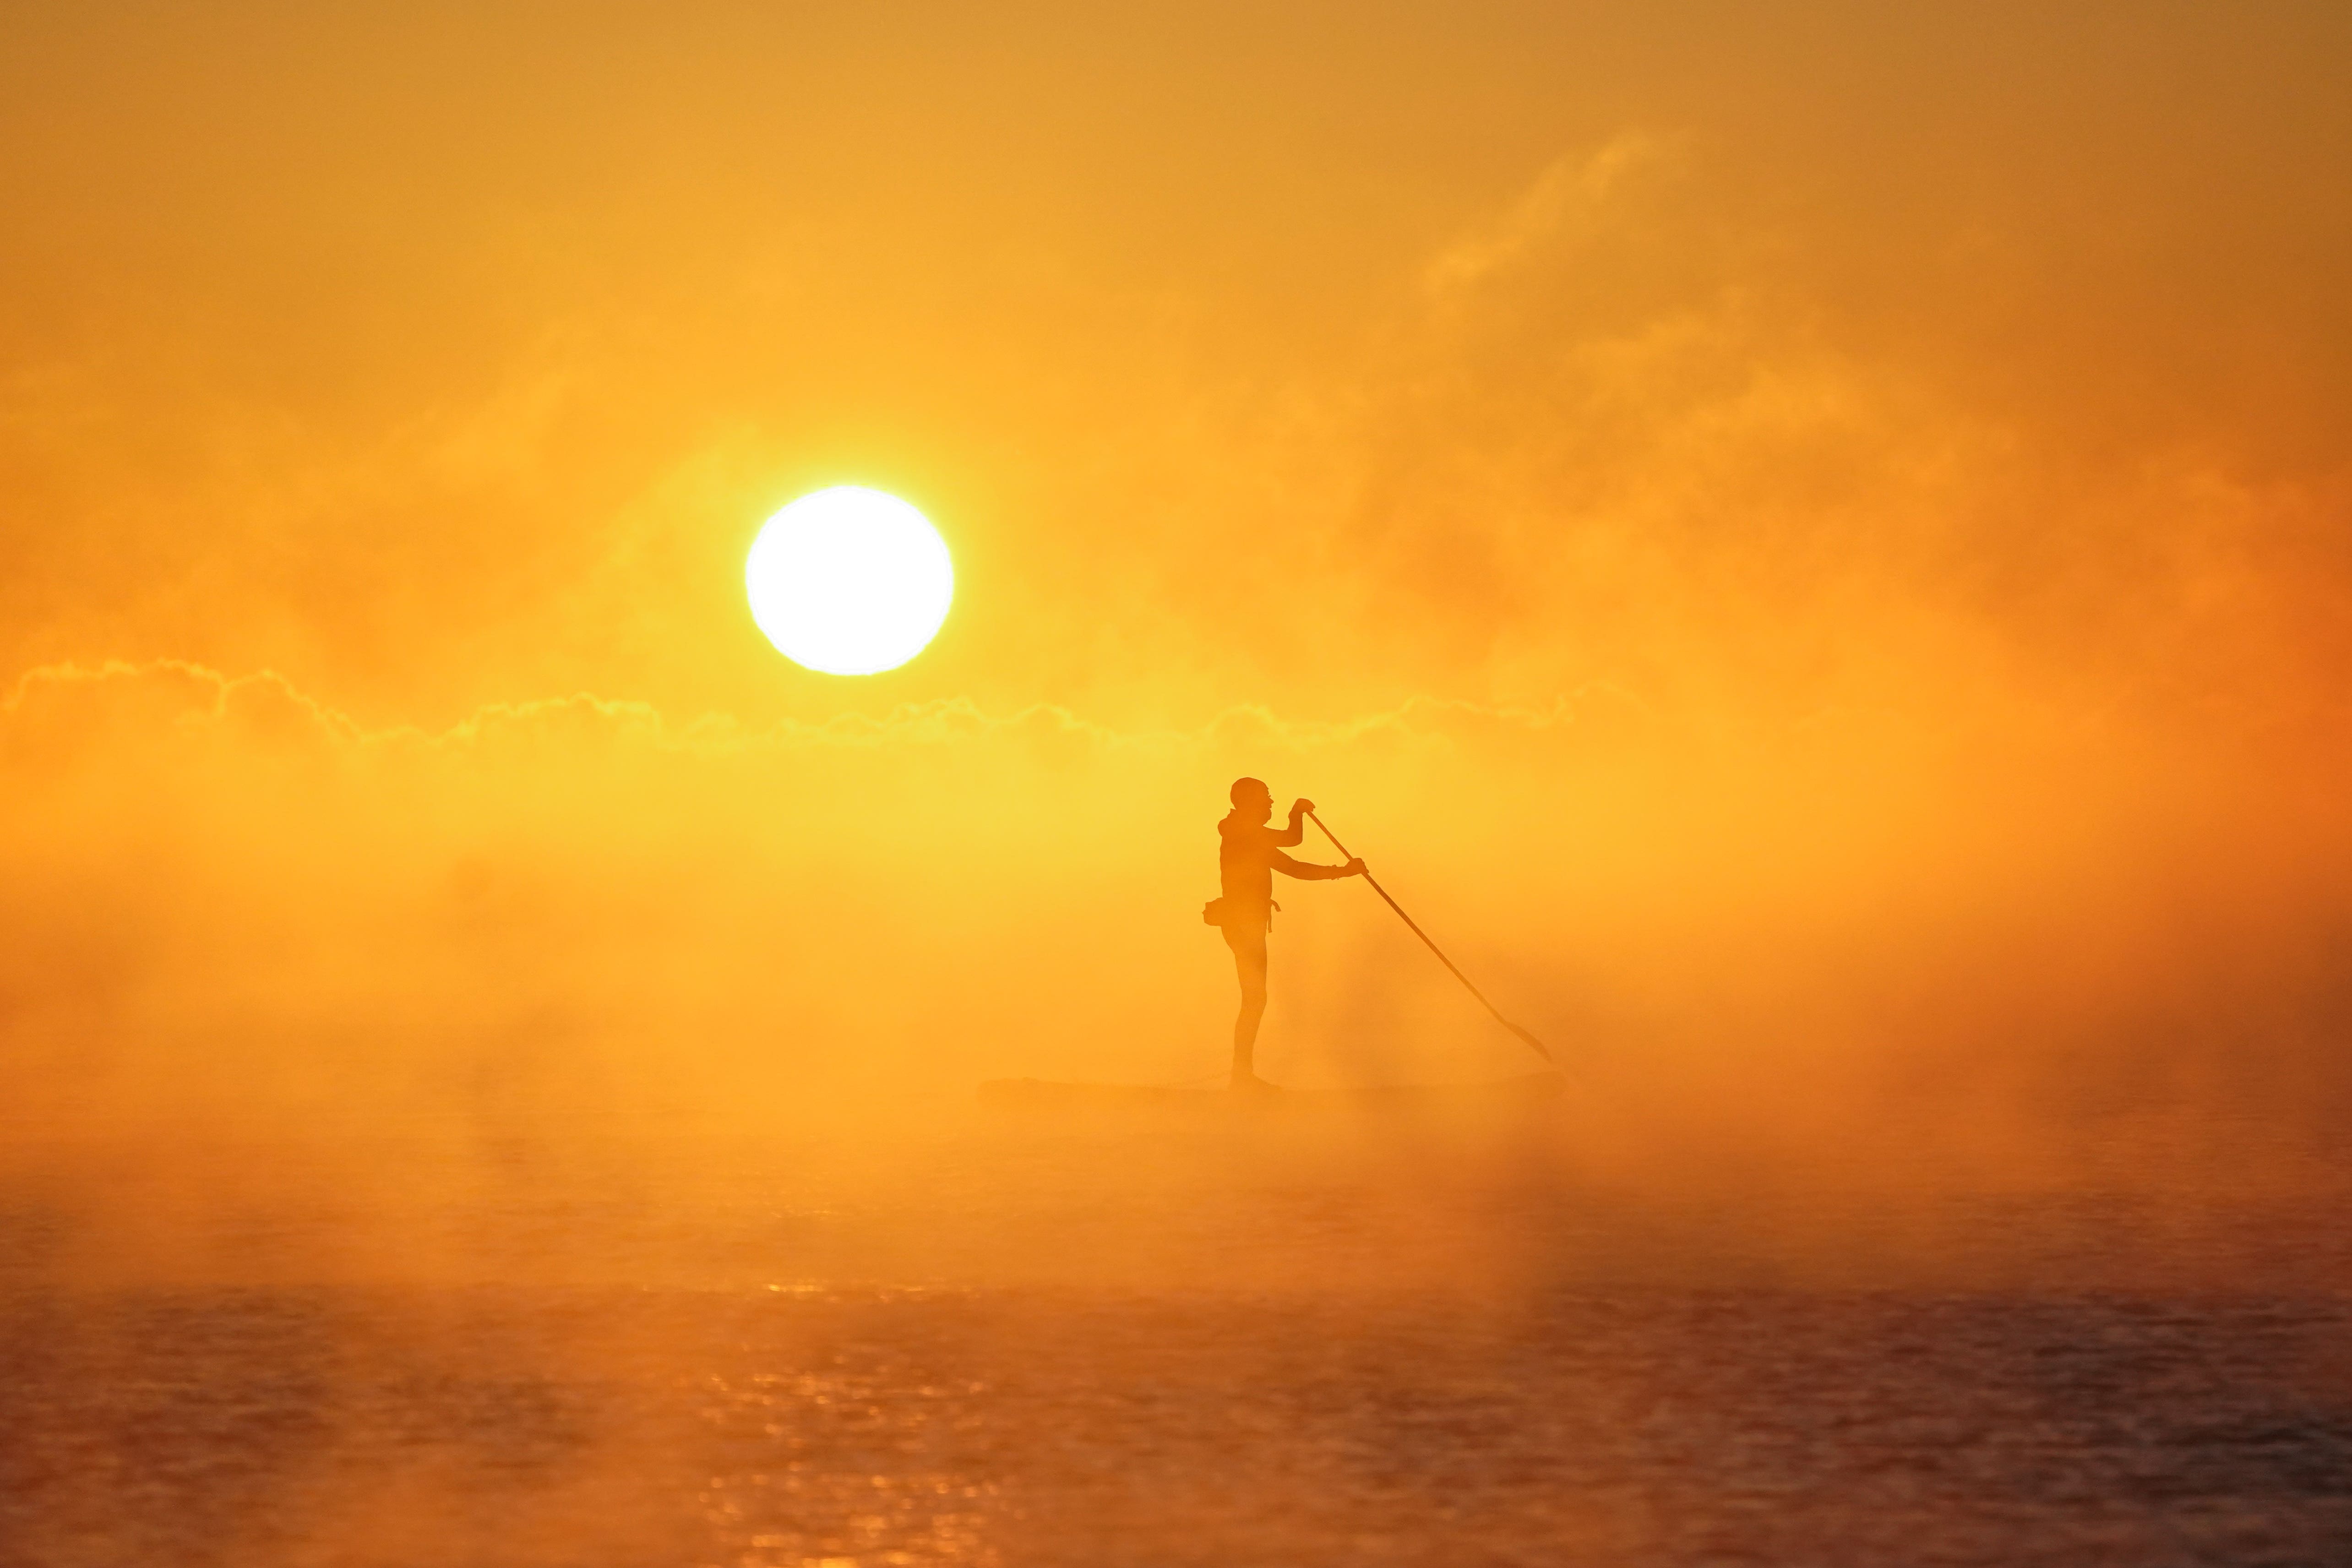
<point>957,1334</point>
<point>466,1146</point>
<point>1975,949</point>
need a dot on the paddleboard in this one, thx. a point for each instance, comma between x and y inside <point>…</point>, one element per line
<point>1045,1094</point>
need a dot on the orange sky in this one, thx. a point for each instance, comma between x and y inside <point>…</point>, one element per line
<point>1811,546</point>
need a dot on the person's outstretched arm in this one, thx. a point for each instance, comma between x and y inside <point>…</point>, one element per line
<point>1309,873</point>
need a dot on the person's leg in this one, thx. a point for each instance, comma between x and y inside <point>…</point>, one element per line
<point>1249,965</point>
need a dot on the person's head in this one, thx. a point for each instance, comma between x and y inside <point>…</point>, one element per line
<point>1252,798</point>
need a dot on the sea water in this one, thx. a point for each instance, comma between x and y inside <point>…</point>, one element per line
<point>1154,1343</point>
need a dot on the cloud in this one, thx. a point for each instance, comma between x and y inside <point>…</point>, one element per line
<point>1567,203</point>
<point>180,697</point>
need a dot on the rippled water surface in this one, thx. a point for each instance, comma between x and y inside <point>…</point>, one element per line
<point>1150,1346</point>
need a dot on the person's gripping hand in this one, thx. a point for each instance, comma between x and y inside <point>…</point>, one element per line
<point>1302,807</point>
<point>1356,868</point>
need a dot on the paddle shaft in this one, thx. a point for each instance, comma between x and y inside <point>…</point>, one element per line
<point>1414,927</point>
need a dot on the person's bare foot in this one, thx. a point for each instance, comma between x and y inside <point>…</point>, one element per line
<point>1250,1080</point>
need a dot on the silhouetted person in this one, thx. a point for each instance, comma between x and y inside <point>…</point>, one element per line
<point>1249,852</point>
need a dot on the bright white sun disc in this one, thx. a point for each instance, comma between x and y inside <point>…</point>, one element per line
<point>849,580</point>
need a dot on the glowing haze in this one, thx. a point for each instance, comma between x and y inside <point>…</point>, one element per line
<point>1811,545</point>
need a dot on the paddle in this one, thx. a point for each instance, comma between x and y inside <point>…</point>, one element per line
<point>1537,1044</point>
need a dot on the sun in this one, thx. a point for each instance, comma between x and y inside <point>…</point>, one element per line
<point>849,580</point>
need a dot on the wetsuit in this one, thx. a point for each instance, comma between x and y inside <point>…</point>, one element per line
<point>1248,855</point>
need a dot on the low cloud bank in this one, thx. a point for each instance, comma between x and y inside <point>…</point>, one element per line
<point>231,907</point>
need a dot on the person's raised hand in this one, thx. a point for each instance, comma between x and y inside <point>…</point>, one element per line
<point>1302,807</point>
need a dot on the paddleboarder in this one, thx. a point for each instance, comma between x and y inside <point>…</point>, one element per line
<point>1249,852</point>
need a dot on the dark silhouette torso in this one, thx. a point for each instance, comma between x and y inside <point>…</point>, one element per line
<point>1247,854</point>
